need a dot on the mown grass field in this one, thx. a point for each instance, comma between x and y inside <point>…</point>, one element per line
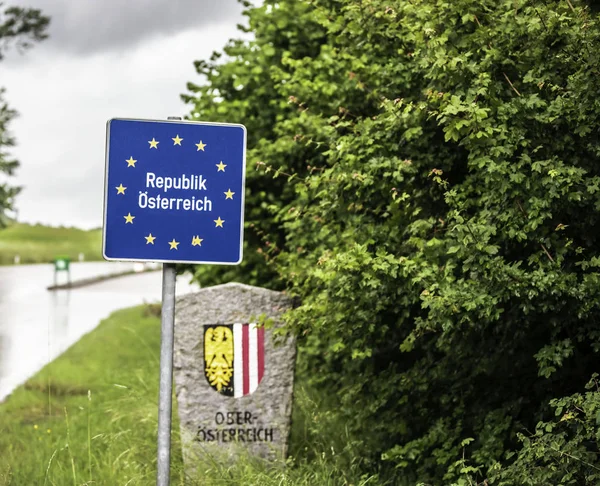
<point>90,418</point>
<point>41,244</point>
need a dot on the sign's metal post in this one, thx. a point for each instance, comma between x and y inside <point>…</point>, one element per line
<point>165,391</point>
<point>166,374</point>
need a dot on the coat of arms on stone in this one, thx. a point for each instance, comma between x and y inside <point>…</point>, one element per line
<point>234,358</point>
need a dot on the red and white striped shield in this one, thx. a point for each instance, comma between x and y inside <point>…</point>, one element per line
<point>234,358</point>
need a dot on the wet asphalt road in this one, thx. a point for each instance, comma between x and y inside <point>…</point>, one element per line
<point>37,325</point>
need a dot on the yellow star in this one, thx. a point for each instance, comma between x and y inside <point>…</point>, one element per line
<point>219,222</point>
<point>154,143</point>
<point>200,146</point>
<point>173,244</point>
<point>129,218</point>
<point>177,140</point>
<point>120,189</point>
<point>221,166</point>
<point>229,194</point>
<point>150,239</point>
<point>197,241</point>
<point>131,162</point>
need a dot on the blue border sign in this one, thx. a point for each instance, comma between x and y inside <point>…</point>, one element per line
<point>174,191</point>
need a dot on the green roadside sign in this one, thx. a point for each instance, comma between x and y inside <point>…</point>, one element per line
<point>61,263</point>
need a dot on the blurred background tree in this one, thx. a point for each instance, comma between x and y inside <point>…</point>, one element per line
<point>20,29</point>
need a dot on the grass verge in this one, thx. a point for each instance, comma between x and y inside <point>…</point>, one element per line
<point>41,244</point>
<point>90,418</point>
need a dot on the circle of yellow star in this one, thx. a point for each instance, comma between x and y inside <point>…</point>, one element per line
<point>120,189</point>
<point>177,140</point>
<point>197,241</point>
<point>131,162</point>
<point>154,143</point>
<point>129,218</point>
<point>219,222</point>
<point>173,244</point>
<point>200,146</point>
<point>221,166</point>
<point>150,239</point>
<point>229,194</point>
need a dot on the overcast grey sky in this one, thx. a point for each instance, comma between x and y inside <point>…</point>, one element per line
<point>104,59</point>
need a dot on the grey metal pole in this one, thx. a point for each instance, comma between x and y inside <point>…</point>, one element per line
<point>167,326</point>
<point>165,391</point>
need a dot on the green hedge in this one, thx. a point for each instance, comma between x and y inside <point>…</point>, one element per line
<point>424,176</point>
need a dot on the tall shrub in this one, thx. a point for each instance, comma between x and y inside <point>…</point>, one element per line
<point>424,175</point>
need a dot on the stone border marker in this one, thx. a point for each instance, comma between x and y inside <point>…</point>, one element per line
<point>233,382</point>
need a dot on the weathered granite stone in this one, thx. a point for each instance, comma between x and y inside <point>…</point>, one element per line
<point>211,423</point>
